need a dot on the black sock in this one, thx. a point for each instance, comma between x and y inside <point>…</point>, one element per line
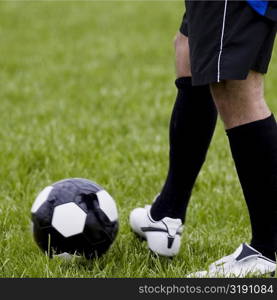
<point>254,149</point>
<point>192,126</point>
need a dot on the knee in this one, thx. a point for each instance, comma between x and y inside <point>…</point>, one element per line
<point>240,101</point>
<point>228,100</point>
<point>227,104</point>
<point>181,46</point>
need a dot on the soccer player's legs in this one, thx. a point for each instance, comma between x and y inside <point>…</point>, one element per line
<point>251,128</point>
<point>241,101</point>
<point>191,128</point>
<point>182,60</point>
<point>192,125</point>
<point>252,133</point>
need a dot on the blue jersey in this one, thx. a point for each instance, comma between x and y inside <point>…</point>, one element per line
<point>265,8</point>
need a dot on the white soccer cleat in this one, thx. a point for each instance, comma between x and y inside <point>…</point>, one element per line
<point>163,237</point>
<point>245,261</point>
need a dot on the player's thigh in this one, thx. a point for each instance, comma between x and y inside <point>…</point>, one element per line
<point>182,55</point>
<point>240,101</point>
<point>242,91</point>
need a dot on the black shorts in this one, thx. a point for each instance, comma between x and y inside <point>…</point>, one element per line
<point>227,39</point>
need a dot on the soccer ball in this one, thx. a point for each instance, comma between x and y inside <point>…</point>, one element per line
<point>74,216</point>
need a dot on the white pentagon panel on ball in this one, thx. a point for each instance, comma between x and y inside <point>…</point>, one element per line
<point>69,219</point>
<point>107,204</point>
<point>41,198</point>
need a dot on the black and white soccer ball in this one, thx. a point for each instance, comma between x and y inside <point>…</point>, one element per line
<point>74,216</point>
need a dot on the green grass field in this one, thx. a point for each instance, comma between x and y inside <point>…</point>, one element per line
<point>87,91</point>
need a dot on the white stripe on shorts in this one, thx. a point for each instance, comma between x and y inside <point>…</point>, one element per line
<point>221,41</point>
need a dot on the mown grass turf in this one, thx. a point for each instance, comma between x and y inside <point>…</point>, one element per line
<point>87,91</point>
